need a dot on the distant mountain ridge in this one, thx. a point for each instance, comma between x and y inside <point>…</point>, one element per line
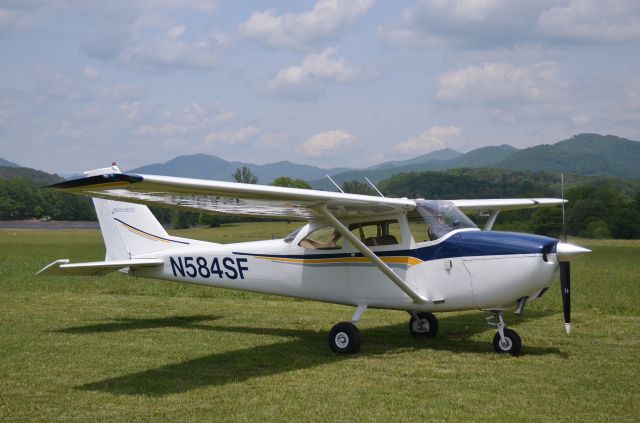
<point>206,166</point>
<point>583,154</point>
<point>39,177</point>
<point>7,163</point>
<point>445,154</point>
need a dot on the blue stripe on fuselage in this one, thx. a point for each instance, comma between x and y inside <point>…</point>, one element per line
<point>483,243</point>
<point>462,244</point>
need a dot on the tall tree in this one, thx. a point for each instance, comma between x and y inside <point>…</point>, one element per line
<point>245,176</point>
<point>357,187</point>
<point>285,181</point>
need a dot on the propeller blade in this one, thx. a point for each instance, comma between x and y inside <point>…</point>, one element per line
<point>565,287</point>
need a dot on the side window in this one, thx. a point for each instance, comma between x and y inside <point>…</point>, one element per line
<point>324,238</point>
<point>384,232</point>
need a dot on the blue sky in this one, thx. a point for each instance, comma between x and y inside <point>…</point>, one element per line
<point>329,83</point>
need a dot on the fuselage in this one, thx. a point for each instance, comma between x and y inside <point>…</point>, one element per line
<point>468,268</point>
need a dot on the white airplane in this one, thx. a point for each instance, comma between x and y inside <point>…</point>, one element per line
<point>420,256</point>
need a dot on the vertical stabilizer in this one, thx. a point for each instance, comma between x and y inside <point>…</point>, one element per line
<point>130,229</point>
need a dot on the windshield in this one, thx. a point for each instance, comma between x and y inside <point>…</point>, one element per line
<point>442,217</point>
<point>289,238</point>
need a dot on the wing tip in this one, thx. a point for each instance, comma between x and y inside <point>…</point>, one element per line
<point>113,179</point>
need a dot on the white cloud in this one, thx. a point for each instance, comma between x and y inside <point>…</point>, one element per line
<point>310,78</point>
<point>434,138</point>
<point>634,95</point>
<point>131,111</point>
<point>302,30</point>
<point>469,22</point>
<point>170,51</point>
<point>325,143</point>
<point>592,20</point>
<point>58,85</point>
<point>192,119</point>
<point>90,73</point>
<point>493,23</point>
<point>240,136</point>
<point>119,92</point>
<point>14,20</point>
<point>176,32</point>
<point>581,120</point>
<point>500,82</point>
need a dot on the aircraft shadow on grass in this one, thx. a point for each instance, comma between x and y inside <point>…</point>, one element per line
<point>305,349</point>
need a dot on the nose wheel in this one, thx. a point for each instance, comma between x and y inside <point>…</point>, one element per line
<point>505,341</point>
<point>510,344</point>
<point>423,324</point>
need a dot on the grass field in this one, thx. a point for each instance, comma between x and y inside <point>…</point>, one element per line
<point>119,349</point>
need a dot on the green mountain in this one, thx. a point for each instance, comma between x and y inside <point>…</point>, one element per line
<point>212,167</point>
<point>584,154</point>
<point>21,197</point>
<point>445,154</point>
<point>39,177</point>
<point>7,163</point>
<point>481,157</point>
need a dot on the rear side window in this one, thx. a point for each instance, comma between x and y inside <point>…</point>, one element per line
<point>379,233</point>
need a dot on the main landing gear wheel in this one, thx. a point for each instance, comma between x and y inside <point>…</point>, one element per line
<point>511,343</point>
<point>423,324</point>
<point>344,338</point>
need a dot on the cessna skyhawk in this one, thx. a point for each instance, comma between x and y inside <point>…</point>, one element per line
<point>420,256</point>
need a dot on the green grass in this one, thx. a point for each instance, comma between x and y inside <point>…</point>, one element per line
<point>119,349</point>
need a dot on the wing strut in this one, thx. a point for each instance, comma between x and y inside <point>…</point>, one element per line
<point>366,251</point>
<point>491,220</point>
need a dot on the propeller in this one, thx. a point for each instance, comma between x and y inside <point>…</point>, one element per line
<point>565,288</point>
<point>565,252</point>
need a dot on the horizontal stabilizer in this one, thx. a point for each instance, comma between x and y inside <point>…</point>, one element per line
<point>95,268</point>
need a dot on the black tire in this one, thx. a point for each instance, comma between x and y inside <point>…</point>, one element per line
<point>512,344</point>
<point>425,325</point>
<point>344,338</point>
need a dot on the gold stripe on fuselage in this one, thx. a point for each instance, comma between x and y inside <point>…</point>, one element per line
<point>405,260</point>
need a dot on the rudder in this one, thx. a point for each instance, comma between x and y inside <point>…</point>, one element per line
<point>131,229</point>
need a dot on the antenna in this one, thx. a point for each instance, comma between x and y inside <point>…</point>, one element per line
<point>373,186</point>
<point>334,183</point>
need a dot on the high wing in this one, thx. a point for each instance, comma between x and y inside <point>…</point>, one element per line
<point>506,203</point>
<point>229,197</point>
<point>494,206</point>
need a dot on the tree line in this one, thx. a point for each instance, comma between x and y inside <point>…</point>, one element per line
<point>24,199</point>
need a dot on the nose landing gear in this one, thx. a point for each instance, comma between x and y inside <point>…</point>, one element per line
<point>423,324</point>
<point>505,341</point>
